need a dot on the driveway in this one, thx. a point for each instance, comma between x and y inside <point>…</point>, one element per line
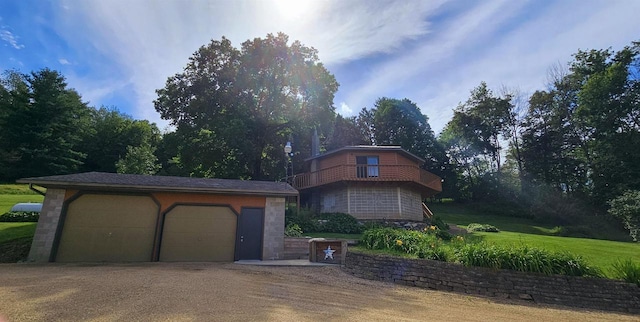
<point>228,292</point>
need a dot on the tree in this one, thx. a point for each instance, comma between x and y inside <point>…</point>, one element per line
<point>474,139</point>
<point>139,160</point>
<point>241,105</point>
<point>345,133</point>
<point>109,134</point>
<point>43,123</point>
<point>400,122</point>
<point>626,207</point>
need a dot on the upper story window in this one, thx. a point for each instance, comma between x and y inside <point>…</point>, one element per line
<point>367,166</point>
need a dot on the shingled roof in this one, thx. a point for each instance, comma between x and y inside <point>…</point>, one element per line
<point>370,148</point>
<point>135,182</point>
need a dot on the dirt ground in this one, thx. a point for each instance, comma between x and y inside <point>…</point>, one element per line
<point>231,292</point>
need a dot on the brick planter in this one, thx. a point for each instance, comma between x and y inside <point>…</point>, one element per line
<point>583,292</point>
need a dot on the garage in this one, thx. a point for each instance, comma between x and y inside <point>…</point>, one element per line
<point>108,228</point>
<point>199,234</point>
<point>109,217</point>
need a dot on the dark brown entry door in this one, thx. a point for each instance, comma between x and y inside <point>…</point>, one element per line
<point>250,233</point>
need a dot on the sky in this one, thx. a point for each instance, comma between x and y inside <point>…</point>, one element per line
<point>116,53</point>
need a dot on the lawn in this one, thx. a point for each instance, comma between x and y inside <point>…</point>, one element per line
<point>11,194</point>
<point>523,231</point>
<point>16,230</point>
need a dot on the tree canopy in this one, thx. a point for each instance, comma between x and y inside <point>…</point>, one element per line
<point>237,107</point>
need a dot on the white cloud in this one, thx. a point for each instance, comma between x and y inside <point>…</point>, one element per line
<point>476,47</point>
<point>150,42</point>
<point>10,38</point>
<point>63,61</point>
<point>345,110</point>
<point>432,52</point>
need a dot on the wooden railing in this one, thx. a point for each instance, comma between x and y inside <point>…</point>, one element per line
<point>352,172</point>
<point>426,212</point>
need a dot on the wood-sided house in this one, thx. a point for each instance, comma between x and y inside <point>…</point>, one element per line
<point>368,182</point>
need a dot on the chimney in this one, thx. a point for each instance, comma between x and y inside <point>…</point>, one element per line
<point>315,143</point>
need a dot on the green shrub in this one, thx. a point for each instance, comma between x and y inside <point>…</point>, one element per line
<point>19,216</point>
<point>627,271</point>
<point>524,259</point>
<point>482,227</point>
<point>436,253</point>
<point>412,242</point>
<point>304,218</point>
<point>338,223</point>
<point>293,230</point>
<point>626,207</point>
<point>438,222</point>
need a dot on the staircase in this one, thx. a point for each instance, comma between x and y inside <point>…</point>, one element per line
<point>426,212</point>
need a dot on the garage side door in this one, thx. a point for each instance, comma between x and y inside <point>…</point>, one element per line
<point>110,228</point>
<point>199,234</point>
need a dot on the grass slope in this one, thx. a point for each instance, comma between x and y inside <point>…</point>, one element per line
<point>16,230</point>
<point>522,231</point>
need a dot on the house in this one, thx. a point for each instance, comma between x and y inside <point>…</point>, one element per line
<point>367,182</point>
<point>108,217</point>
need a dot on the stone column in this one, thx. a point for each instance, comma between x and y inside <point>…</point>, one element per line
<point>47,226</point>
<point>273,242</point>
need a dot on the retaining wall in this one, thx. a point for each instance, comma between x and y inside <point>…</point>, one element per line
<point>296,247</point>
<point>583,292</point>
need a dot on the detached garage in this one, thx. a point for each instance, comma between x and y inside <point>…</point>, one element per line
<point>107,217</point>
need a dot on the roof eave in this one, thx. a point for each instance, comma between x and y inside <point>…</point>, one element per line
<point>111,187</point>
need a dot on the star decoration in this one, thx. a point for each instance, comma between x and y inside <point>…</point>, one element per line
<point>328,253</point>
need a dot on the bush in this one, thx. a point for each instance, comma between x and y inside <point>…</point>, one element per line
<point>524,259</point>
<point>411,242</point>
<point>438,222</point>
<point>482,227</point>
<point>293,230</point>
<point>303,218</point>
<point>627,271</point>
<point>626,207</point>
<point>338,223</point>
<point>19,216</point>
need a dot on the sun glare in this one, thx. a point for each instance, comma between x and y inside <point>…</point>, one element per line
<point>294,9</point>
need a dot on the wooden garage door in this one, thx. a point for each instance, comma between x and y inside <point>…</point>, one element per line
<point>198,234</point>
<point>111,228</point>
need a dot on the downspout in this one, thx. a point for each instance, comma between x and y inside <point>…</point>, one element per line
<point>36,190</point>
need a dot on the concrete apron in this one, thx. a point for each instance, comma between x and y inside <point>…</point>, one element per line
<point>286,262</point>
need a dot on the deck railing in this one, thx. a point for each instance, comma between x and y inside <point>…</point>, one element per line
<point>353,172</point>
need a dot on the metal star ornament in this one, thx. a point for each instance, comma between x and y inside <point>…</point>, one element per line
<point>328,253</point>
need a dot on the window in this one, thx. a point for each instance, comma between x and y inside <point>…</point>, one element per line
<point>367,166</point>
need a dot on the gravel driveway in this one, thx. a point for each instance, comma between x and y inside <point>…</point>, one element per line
<point>227,292</point>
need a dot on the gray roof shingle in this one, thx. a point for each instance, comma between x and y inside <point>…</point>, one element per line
<point>135,182</point>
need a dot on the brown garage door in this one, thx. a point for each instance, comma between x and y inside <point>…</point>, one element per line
<point>111,228</point>
<point>198,234</point>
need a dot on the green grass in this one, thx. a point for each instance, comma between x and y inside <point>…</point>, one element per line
<point>522,231</point>
<point>16,189</point>
<point>11,194</point>
<point>8,200</point>
<point>599,253</point>
<point>16,230</point>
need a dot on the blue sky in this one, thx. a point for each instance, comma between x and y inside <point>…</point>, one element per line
<point>118,52</point>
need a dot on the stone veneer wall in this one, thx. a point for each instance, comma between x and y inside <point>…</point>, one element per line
<point>47,226</point>
<point>273,241</point>
<point>583,292</point>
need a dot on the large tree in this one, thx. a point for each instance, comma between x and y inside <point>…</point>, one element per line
<point>109,134</point>
<point>235,108</point>
<point>43,122</point>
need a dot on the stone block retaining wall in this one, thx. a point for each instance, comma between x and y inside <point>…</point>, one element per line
<point>583,292</point>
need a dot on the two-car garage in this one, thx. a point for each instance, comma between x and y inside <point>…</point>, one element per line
<point>104,217</point>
